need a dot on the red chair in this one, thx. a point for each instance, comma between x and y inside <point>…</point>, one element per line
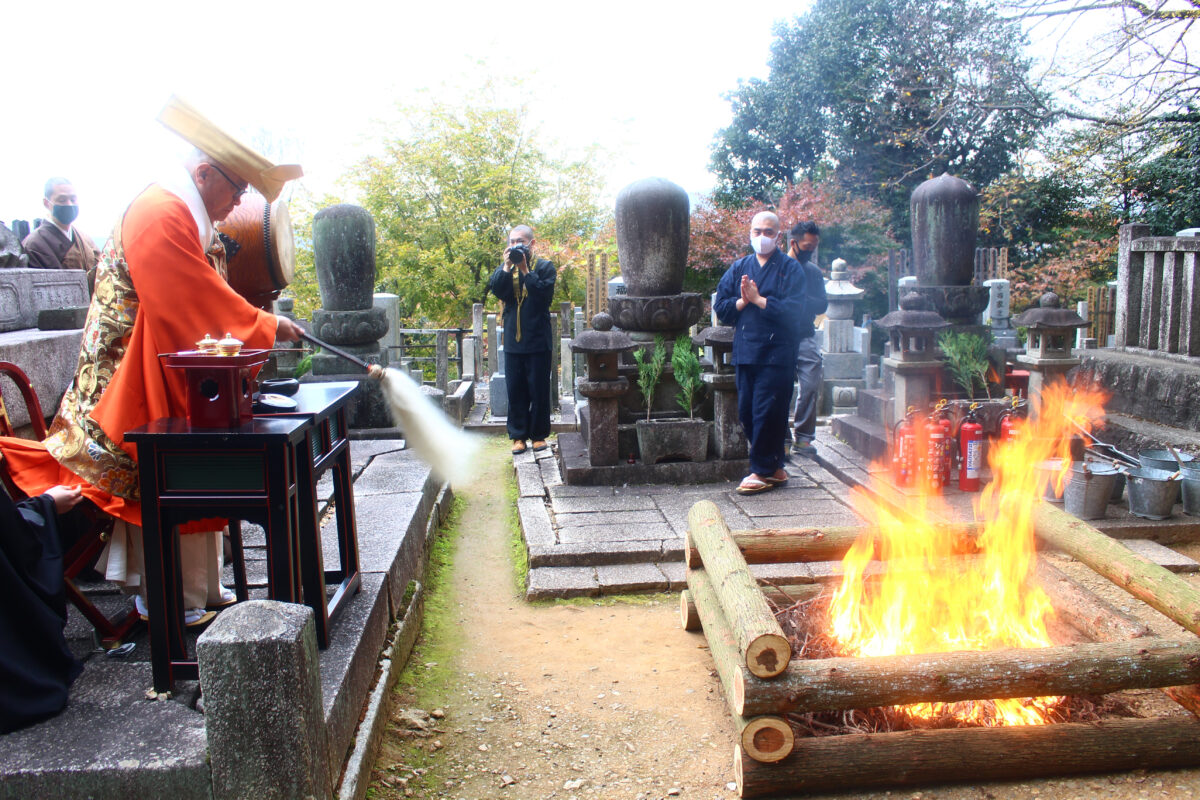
<point>96,530</point>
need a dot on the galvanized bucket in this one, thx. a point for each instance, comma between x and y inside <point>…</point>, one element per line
<point>1152,492</point>
<point>1048,472</point>
<point>1191,491</point>
<point>1161,459</point>
<point>1118,487</point>
<point>1089,490</point>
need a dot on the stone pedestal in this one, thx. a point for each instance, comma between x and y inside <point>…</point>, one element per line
<point>912,384</point>
<point>729,440</point>
<point>601,429</point>
<point>1043,371</point>
<point>263,713</point>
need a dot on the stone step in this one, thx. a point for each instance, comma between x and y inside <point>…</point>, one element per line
<point>868,438</point>
<point>874,405</point>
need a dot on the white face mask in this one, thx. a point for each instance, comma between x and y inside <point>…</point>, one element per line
<point>763,245</point>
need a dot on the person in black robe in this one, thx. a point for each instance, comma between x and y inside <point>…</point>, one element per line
<point>36,667</point>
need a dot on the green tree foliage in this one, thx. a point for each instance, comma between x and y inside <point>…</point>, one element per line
<point>444,191</point>
<point>1168,185</point>
<point>885,93</point>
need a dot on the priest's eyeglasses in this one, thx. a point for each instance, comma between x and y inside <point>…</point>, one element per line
<point>237,193</point>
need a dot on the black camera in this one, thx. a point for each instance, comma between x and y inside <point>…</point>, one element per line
<point>519,253</point>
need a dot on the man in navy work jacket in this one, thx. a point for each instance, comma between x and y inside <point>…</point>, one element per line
<point>526,286</point>
<point>762,296</point>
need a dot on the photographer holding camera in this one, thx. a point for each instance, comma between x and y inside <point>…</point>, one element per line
<point>525,285</point>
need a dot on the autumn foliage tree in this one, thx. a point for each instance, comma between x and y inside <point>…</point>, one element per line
<point>446,186</point>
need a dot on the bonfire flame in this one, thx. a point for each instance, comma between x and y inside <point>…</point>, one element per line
<point>927,600</point>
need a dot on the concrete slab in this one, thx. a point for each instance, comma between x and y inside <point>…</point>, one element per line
<point>604,534</point>
<point>626,578</point>
<point>608,518</point>
<point>535,523</point>
<point>1163,556</point>
<point>591,505</point>
<point>391,473</point>
<point>110,743</point>
<point>547,583</point>
<point>529,480</point>
<point>676,574</point>
<point>579,491</point>
<point>348,664</point>
<point>591,553</point>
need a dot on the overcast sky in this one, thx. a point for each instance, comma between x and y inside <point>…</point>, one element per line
<point>644,80</point>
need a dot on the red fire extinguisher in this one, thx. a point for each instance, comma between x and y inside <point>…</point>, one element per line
<point>940,451</point>
<point>904,450</point>
<point>970,448</point>
<point>1011,420</point>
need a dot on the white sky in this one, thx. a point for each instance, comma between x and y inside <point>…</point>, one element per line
<point>644,80</point>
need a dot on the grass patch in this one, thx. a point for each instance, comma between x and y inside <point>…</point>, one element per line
<point>440,638</point>
<point>518,553</point>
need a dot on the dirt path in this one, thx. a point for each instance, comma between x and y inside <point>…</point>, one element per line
<point>586,699</point>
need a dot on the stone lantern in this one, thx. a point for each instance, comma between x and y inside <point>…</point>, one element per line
<point>841,364</point>
<point>602,346</point>
<point>1048,345</point>
<point>915,359</point>
<point>729,441</point>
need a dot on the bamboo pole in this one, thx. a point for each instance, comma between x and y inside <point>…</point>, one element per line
<point>838,763</point>
<point>1156,586</point>
<point>1090,668</point>
<point>764,738</point>
<point>759,638</point>
<point>803,545</point>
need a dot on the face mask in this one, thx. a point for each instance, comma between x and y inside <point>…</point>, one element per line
<point>65,214</point>
<point>762,244</point>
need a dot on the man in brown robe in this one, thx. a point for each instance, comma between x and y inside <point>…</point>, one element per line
<point>57,243</point>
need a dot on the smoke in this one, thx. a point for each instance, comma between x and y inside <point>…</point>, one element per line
<point>447,449</point>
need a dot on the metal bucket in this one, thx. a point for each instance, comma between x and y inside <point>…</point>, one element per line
<point>1049,470</point>
<point>1118,487</point>
<point>1152,492</point>
<point>1161,459</point>
<point>1088,492</point>
<point>1191,491</point>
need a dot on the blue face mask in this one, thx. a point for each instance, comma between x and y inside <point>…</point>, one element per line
<point>65,214</point>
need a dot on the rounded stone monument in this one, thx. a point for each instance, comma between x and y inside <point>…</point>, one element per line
<point>344,255</point>
<point>653,218</point>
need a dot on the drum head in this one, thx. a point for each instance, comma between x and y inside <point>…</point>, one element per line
<point>282,245</point>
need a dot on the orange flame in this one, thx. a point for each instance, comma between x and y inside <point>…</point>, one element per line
<point>926,600</point>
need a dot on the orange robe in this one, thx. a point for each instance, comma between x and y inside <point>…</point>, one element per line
<point>162,296</point>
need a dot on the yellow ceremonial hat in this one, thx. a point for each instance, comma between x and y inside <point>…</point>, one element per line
<point>194,127</point>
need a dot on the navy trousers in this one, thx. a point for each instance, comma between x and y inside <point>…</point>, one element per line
<point>528,377</point>
<point>764,396</point>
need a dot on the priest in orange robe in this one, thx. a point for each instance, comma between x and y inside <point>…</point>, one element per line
<point>159,289</point>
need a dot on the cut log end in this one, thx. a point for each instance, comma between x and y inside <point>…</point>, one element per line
<point>768,655</point>
<point>691,556</point>
<point>767,739</point>
<point>689,617</point>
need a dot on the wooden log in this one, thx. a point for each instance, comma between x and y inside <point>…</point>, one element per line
<point>1154,585</point>
<point>839,763</point>
<point>759,638</point>
<point>689,618</point>
<point>1091,668</point>
<point>1098,620</point>
<point>764,738</point>
<point>767,740</point>
<point>803,545</point>
<point>1084,611</point>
